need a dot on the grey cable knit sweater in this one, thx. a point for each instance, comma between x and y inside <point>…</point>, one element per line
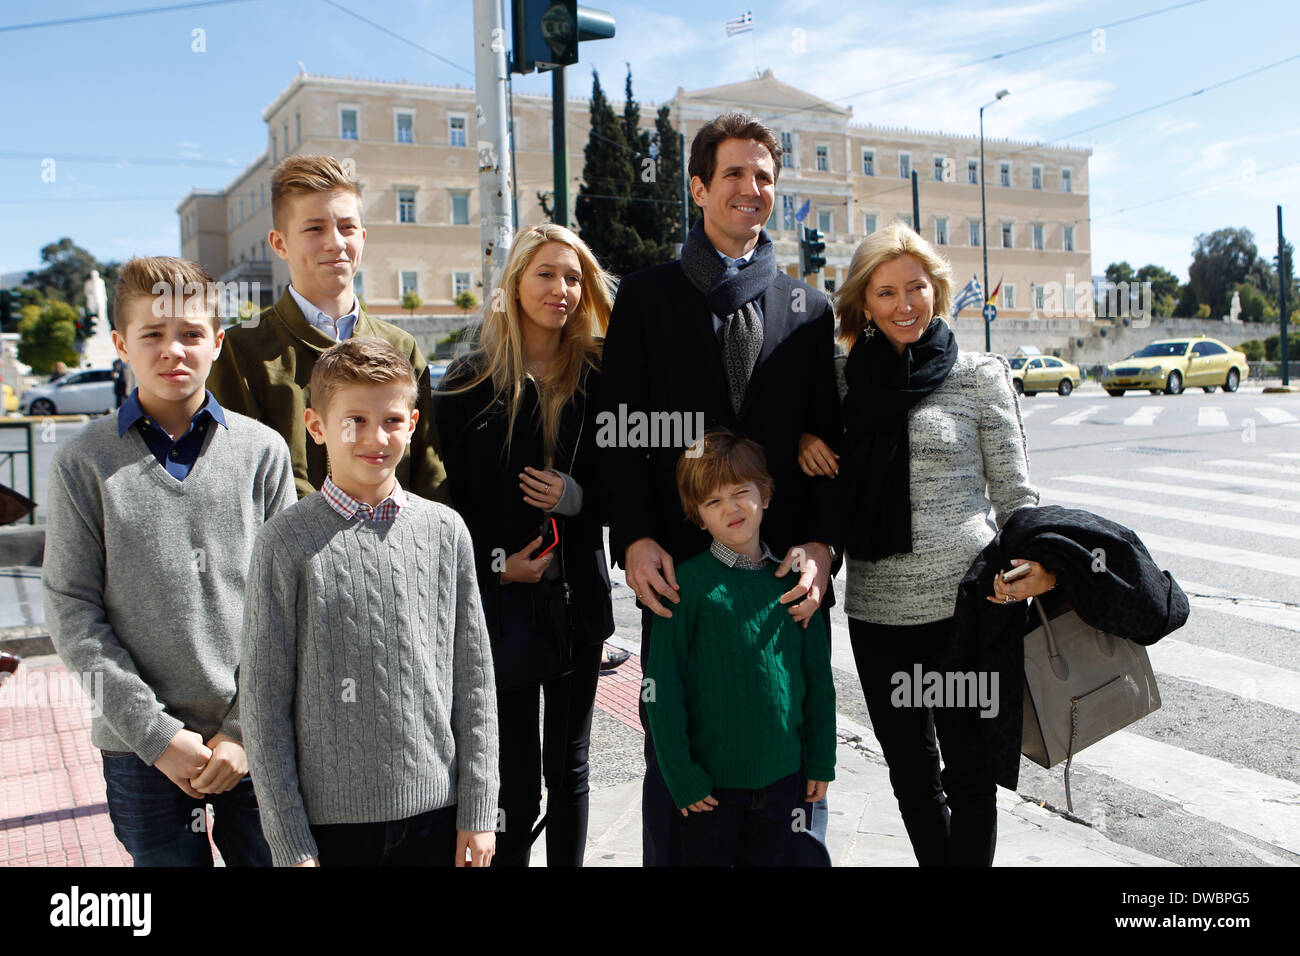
<point>366,685</point>
<point>144,574</point>
<point>969,472</point>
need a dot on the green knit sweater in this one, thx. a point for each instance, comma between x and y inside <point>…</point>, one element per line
<point>738,692</point>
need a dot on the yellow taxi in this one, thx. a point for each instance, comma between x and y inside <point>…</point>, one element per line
<point>11,399</point>
<point>1171,365</point>
<point>1031,374</point>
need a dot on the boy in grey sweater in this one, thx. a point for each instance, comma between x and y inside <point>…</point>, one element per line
<point>366,683</point>
<point>152,514</point>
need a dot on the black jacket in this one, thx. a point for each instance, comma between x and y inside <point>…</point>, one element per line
<point>662,355</point>
<point>1102,570</point>
<point>484,483</point>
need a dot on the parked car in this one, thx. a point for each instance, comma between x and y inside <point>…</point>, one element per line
<point>1044,373</point>
<point>11,399</point>
<point>86,391</point>
<point>1171,365</point>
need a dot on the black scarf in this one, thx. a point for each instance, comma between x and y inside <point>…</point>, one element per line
<point>883,387</point>
<point>727,293</point>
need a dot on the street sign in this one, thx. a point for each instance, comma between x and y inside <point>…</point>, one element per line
<point>990,312</point>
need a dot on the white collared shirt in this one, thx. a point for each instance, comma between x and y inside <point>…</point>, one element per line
<point>340,329</point>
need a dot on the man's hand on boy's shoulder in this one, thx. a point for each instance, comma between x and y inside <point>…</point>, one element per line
<point>812,562</point>
<point>482,844</point>
<point>651,575</point>
<point>184,759</point>
<point>226,767</point>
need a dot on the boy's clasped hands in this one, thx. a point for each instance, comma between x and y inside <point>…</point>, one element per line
<point>814,790</point>
<point>200,768</point>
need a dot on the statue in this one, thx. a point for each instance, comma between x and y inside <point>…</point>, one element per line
<point>1235,308</point>
<point>96,297</point>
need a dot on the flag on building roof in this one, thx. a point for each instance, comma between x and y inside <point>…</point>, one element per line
<point>802,214</point>
<point>993,296</point>
<point>742,24</point>
<point>970,295</point>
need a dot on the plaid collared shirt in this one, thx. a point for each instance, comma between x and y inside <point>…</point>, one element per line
<point>350,507</point>
<point>734,559</point>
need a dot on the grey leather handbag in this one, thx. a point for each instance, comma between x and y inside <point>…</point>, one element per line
<point>1081,685</point>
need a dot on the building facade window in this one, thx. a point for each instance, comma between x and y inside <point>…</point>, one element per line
<point>406,205</point>
<point>1039,293</point>
<point>264,257</point>
<point>1067,184</point>
<point>973,172</point>
<point>1067,239</point>
<point>823,158</point>
<point>261,194</point>
<point>868,223</point>
<point>460,209</point>
<point>906,219</point>
<point>825,222</point>
<point>297,127</point>
<point>275,152</point>
<point>1004,175</point>
<point>241,209</point>
<point>405,126</point>
<point>939,163</point>
<point>787,151</point>
<point>868,162</point>
<point>787,212</point>
<point>1036,177</point>
<point>976,238</point>
<point>348,123</point>
<point>941,230</point>
<point>1007,236</point>
<point>460,282</point>
<point>1008,297</point>
<point>410,282</point>
<point>905,165</point>
<point>456,135</point>
<point>1038,236</point>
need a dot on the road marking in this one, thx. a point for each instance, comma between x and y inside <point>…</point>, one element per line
<point>1275,416</point>
<point>1257,609</point>
<point>1074,418</point>
<point>1177,491</point>
<point>1199,518</point>
<point>1255,466</point>
<point>1239,798</point>
<point>1211,417</point>
<point>1283,454</point>
<point>1249,481</point>
<point>1238,557</point>
<point>1239,676</point>
<point>1146,415</point>
<point>1026,412</point>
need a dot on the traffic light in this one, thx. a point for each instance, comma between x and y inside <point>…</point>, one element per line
<point>811,248</point>
<point>10,311</point>
<point>547,32</point>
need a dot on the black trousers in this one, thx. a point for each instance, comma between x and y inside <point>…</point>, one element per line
<point>561,756</point>
<point>950,815</point>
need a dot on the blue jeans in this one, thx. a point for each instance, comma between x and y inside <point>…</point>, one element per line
<point>162,826</point>
<point>427,839</point>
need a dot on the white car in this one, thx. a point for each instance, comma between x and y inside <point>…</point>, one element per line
<point>86,391</point>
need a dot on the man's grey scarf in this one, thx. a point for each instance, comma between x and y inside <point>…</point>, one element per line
<point>733,293</point>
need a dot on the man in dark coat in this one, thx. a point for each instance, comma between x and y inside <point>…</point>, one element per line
<point>719,337</point>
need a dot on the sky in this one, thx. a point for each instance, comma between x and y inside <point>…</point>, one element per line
<point>108,124</point>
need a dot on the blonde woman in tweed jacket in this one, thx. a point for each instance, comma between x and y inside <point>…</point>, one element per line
<point>934,462</point>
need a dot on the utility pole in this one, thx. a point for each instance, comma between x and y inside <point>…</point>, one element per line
<point>1282,280</point>
<point>559,149</point>
<point>984,220</point>
<point>496,223</point>
<point>916,205</point>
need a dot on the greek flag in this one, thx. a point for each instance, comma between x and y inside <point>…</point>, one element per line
<point>968,296</point>
<point>741,24</point>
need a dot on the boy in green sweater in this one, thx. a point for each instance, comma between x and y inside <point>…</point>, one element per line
<point>740,698</point>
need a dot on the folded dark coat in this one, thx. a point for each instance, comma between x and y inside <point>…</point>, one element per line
<point>1102,569</point>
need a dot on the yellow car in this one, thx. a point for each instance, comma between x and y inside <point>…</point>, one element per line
<point>1171,365</point>
<point>1044,373</point>
<point>11,399</point>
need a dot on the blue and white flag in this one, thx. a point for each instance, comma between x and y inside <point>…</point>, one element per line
<point>741,24</point>
<point>802,214</point>
<point>971,295</point>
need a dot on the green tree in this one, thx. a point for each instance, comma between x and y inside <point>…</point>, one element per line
<point>1253,349</point>
<point>1220,261</point>
<point>411,301</point>
<point>47,335</point>
<point>1273,350</point>
<point>1255,306</point>
<point>601,209</point>
<point>1164,288</point>
<point>466,301</point>
<point>1118,272</point>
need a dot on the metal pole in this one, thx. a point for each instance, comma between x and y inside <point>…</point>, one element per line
<point>514,170</point>
<point>560,216</point>
<point>1281,300</point>
<point>984,238</point>
<point>916,205</point>
<point>686,217</point>
<point>496,225</point>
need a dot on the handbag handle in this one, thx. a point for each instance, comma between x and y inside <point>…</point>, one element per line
<point>1059,665</point>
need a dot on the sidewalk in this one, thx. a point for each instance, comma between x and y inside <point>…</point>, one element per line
<point>52,809</point>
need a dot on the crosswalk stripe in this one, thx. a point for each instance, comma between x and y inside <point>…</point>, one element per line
<point>1200,518</point>
<point>1283,454</point>
<point>1178,491</point>
<point>1209,417</point>
<point>1252,680</point>
<point>1236,797</point>
<point>1255,466</point>
<point>1146,415</point>
<point>1249,481</point>
<point>1259,610</point>
<point>1238,557</point>
<point>1026,412</point>
<point>1275,416</point>
<point>1074,418</point>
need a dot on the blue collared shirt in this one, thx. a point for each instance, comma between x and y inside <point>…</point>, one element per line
<point>178,456</point>
<point>340,330</point>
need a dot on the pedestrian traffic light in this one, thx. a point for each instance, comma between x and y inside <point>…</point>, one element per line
<point>811,248</point>
<point>547,32</point>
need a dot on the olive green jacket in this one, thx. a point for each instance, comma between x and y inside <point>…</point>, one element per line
<point>264,371</point>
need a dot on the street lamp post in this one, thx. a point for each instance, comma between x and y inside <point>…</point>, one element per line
<point>984,221</point>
